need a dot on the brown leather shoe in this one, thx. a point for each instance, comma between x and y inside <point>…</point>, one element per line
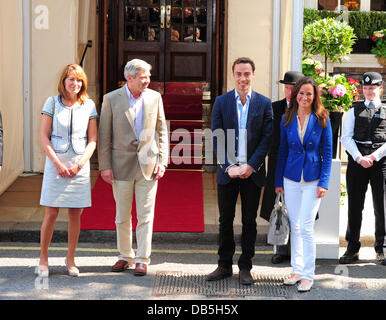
<point>245,277</point>
<point>219,274</point>
<point>140,269</point>
<point>120,266</point>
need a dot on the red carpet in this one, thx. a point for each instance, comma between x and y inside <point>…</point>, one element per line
<point>179,205</point>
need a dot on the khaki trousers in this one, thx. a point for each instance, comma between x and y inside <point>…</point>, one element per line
<point>145,194</point>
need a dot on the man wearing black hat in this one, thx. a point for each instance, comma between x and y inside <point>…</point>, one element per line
<point>364,138</point>
<point>279,107</point>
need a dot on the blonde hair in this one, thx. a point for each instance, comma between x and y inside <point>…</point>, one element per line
<point>80,74</point>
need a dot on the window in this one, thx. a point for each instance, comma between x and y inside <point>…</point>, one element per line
<point>351,5</point>
<point>189,20</point>
<point>378,5</point>
<point>327,4</point>
<point>142,20</point>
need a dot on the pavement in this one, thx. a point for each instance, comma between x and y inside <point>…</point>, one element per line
<point>177,273</point>
<point>179,263</point>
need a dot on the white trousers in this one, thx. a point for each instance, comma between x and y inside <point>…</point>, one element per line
<point>145,194</point>
<point>302,205</point>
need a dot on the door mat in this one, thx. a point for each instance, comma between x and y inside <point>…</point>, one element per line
<point>179,283</point>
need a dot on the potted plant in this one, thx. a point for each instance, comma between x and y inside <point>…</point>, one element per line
<point>329,38</point>
<point>380,46</point>
<point>337,93</point>
<point>333,40</point>
<point>363,23</point>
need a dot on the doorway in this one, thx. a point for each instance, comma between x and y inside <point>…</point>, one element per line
<point>177,37</point>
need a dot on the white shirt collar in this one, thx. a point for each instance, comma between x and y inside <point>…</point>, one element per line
<point>377,102</point>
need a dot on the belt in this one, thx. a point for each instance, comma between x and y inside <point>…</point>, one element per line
<point>369,144</point>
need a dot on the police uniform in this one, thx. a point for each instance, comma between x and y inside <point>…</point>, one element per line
<point>364,133</point>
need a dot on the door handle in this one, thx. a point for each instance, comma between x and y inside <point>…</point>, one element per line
<point>162,24</point>
<point>168,16</point>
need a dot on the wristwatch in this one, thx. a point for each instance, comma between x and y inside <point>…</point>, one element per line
<point>79,166</point>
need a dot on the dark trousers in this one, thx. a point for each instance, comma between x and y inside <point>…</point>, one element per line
<point>227,198</point>
<point>357,180</point>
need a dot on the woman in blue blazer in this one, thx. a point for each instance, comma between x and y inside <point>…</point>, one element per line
<point>303,173</point>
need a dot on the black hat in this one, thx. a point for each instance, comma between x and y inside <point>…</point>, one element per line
<point>291,77</point>
<point>372,79</point>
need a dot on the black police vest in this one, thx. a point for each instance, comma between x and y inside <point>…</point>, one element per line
<point>370,125</point>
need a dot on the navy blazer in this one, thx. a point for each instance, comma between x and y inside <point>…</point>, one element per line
<point>313,157</point>
<point>259,132</point>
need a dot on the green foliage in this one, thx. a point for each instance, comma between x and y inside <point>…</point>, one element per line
<point>312,67</point>
<point>343,193</point>
<point>312,15</point>
<point>380,43</point>
<point>366,23</point>
<point>328,37</point>
<point>337,92</point>
<point>363,23</point>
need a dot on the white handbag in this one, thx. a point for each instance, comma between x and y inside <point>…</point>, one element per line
<point>279,225</point>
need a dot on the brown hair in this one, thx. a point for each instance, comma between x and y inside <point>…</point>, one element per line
<point>80,74</point>
<point>244,60</point>
<point>317,107</point>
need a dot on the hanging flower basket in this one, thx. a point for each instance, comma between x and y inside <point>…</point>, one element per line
<point>380,46</point>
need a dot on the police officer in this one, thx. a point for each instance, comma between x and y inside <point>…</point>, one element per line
<point>364,138</point>
<point>290,78</point>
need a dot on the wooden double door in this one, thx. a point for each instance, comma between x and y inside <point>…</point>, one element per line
<point>174,36</point>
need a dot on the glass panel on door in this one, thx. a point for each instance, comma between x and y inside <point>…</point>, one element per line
<point>142,20</point>
<point>188,20</point>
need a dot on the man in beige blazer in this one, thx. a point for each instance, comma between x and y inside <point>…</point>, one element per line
<point>133,154</point>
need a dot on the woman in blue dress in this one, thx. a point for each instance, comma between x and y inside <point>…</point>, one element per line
<point>68,135</point>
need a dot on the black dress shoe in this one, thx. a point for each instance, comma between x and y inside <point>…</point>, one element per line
<point>219,273</point>
<point>245,277</point>
<point>349,257</point>
<point>383,262</point>
<point>279,258</point>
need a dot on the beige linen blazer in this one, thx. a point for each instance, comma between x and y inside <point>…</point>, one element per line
<point>119,148</point>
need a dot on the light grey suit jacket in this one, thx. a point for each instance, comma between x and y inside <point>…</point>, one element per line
<point>119,148</point>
